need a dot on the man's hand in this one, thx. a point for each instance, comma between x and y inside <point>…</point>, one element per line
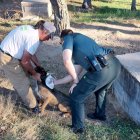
<point>72,87</point>
<point>37,76</point>
<point>41,70</point>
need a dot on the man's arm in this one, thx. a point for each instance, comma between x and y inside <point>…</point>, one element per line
<point>68,78</point>
<point>35,60</point>
<point>72,70</point>
<point>26,64</point>
<point>67,59</point>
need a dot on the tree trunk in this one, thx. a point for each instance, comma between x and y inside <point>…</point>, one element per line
<point>133,5</point>
<point>61,15</point>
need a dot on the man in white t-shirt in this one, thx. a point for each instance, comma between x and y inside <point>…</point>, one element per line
<point>17,53</point>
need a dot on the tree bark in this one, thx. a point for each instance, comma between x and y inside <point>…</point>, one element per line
<point>61,15</point>
<point>133,5</point>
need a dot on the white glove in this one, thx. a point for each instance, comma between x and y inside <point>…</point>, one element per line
<point>50,81</point>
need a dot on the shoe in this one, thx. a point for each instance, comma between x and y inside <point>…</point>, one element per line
<point>94,116</point>
<point>36,110</point>
<point>70,126</point>
<point>78,131</point>
<point>85,5</point>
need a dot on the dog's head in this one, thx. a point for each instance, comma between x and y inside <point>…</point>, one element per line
<point>41,70</point>
<point>43,73</point>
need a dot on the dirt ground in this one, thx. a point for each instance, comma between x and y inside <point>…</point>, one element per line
<point>123,38</point>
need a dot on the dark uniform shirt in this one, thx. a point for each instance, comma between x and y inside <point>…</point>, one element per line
<point>82,47</point>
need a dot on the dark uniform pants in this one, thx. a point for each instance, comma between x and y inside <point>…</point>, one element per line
<point>97,82</point>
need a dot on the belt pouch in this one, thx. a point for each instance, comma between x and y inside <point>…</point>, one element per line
<point>94,64</point>
<point>102,60</point>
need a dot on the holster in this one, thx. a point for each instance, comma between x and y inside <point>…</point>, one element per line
<point>102,60</point>
<point>97,63</point>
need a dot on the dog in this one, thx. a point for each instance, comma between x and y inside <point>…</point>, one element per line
<point>48,98</point>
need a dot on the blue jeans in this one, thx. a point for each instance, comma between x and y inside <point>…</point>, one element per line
<point>88,1</point>
<point>97,82</point>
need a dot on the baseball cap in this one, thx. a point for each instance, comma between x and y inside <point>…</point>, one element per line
<point>49,26</point>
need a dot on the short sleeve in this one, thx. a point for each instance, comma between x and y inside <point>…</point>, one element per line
<point>68,42</point>
<point>32,46</point>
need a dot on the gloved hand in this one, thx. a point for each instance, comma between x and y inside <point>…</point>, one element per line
<point>46,78</point>
<point>41,70</point>
<point>42,73</point>
<point>49,81</point>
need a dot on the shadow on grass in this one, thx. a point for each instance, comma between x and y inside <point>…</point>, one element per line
<point>106,1</point>
<point>117,11</point>
<point>120,23</point>
<point>75,8</point>
<point>78,2</point>
<point>105,28</point>
<point>11,23</point>
<point>7,92</point>
<point>15,99</point>
<point>18,101</point>
<point>126,129</point>
<point>117,129</point>
<point>5,24</point>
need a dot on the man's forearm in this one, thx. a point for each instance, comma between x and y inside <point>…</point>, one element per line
<point>28,67</point>
<point>64,80</point>
<point>35,60</point>
<point>71,70</point>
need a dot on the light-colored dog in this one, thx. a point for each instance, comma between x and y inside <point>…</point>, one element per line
<point>48,98</point>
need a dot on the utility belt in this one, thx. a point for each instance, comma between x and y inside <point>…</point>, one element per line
<point>5,52</point>
<point>98,62</point>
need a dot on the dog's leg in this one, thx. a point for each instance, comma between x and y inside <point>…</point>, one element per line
<point>40,102</point>
<point>46,102</point>
<point>37,90</point>
<point>63,109</point>
<point>66,112</point>
<point>66,115</point>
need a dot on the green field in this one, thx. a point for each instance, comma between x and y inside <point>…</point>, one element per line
<point>103,11</point>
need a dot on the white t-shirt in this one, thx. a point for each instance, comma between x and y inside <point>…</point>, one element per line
<point>22,38</point>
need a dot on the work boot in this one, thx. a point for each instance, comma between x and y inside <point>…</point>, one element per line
<point>94,116</point>
<point>78,131</point>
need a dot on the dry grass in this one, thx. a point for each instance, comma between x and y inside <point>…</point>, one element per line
<point>16,125</point>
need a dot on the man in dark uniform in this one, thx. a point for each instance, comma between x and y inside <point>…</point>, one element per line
<point>80,51</point>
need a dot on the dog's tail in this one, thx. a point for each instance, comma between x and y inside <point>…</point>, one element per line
<point>64,109</point>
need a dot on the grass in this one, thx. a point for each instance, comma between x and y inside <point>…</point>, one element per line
<point>103,11</point>
<point>18,125</point>
<point>119,129</point>
<point>15,125</point>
